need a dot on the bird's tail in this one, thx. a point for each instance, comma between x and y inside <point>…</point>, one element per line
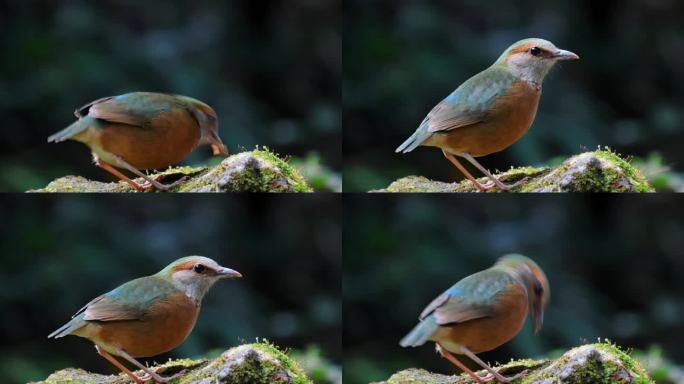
<point>414,141</point>
<point>420,333</point>
<point>67,328</point>
<point>74,129</point>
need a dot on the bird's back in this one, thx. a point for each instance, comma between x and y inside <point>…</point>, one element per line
<point>147,130</point>
<point>475,303</point>
<point>128,301</point>
<point>504,318</point>
<point>467,105</point>
<point>144,317</point>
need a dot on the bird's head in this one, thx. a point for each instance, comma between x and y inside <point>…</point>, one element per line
<point>535,282</point>
<point>531,59</point>
<point>208,122</point>
<point>194,275</point>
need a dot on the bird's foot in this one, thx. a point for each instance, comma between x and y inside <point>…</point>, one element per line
<point>500,378</point>
<point>500,185</point>
<point>155,375</point>
<point>156,184</point>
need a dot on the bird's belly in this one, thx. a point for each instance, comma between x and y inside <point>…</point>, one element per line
<point>483,334</point>
<point>168,141</point>
<point>166,327</point>
<point>510,118</point>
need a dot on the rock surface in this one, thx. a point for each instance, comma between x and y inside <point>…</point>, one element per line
<point>600,363</point>
<point>597,171</point>
<point>258,363</point>
<point>254,171</point>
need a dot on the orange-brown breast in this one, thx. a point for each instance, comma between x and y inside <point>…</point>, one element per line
<point>165,326</point>
<point>169,138</point>
<point>508,120</point>
<point>487,333</point>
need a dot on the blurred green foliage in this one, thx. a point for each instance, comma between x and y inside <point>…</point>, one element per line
<point>660,174</point>
<point>319,176</point>
<point>401,57</point>
<point>270,69</point>
<point>59,252</point>
<point>614,265</point>
<point>659,367</point>
<point>318,368</point>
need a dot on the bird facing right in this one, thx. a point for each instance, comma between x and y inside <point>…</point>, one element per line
<point>149,315</point>
<point>143,130</point>
<point>483,311</point>
<point>491,110</point>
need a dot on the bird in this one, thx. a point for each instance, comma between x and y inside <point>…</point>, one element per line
<point>147,316</point>
<point>483,311</point>
<point>143,130</point>
<point>491,110</point>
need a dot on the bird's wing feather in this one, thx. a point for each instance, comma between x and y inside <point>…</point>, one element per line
<point>136,109</point>
<point>130,301</point>
<point>470,103</point>
<point>470,298</point>
<point>117,112</point>
<point>444,117</point>
<point>109,308</point>
<point>83,111</point>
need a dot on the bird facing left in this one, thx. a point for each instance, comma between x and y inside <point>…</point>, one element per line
<point>149,315</point>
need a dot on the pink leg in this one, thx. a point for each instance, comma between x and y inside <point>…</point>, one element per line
<point>447,355</point>
<point>120,175</point>
<point>465,172</point>
<point>149,183</point>
<point>117,364</point>
<point>149,374</point>
<point>493,375</point>
<point>496,182</point>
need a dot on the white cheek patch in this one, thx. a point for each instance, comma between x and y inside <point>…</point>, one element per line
<point>194,286</point>
<point>529,69</point>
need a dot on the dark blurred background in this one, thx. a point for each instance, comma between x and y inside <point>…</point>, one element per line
<point>59,253</point>
<point>614,266</point>
<point>401,57</point>
<point>270,69</point>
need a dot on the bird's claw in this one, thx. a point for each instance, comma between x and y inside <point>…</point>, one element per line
<point>149,185</point>
<point>502,186</point>
<point>160,379</point>
<point>502,379</point>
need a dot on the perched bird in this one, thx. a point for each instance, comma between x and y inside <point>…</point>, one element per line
<point>491,110</point>
<point>483,311</point>
<point>147,316</point>
<point>143,130</point>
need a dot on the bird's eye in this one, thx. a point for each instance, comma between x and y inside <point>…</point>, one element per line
<point>199,268</point>
<point>535,51</point>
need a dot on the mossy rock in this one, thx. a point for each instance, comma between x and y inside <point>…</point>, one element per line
<point>258,363</point>
<point>253,171</point>
<point>600,363</point>
<point>598,171</point>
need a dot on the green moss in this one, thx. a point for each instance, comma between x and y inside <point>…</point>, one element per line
<point>299,183</point>
<point>630,363</point>
<point>598,171</point>
<point>600,363</point>
<point>261,363</point>
<point>289,363</point>
<point>257,363</point>
<point>641,184</point>
<point>256,171</point>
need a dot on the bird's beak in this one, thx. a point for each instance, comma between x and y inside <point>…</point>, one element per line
<point>227,273</point>
<point>562,54</point>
